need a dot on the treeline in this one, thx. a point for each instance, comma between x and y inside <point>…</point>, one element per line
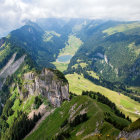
<point>60,75</point>
<point>115,123</point>
<point>65,134</point>
<point>21,126</point>
<point>116,86</point>
<point>113,86</point>
<point>19,129</point>
<point>79,119</point>
<point>37,102</point>
<point>101,98</point>
<point>5,92</point>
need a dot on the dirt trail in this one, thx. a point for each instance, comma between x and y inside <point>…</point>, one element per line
<point>39,122</point>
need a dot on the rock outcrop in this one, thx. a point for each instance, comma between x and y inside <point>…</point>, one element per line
<point>134,135</point>
<point>48,84</point>
<point>10,68</point>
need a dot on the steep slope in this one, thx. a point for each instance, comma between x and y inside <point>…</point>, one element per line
<point>110,49</point>
<point>49,83</point>
<point>10,68</point>
<point>13,59</point>
<point>60,124</point>
<point>132,132</point>
<point>24,88</point>
<point>31,94</point>
<point>43,46</point>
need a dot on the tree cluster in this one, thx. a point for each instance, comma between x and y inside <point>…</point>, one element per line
<point>37,102</point>
<point>101,98</point>
<point>79,119</point>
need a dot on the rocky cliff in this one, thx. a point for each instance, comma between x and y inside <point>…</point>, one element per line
<point>134,135</point>
<point>46,83</point>
<point>10,68</point>
<point>132,132</point>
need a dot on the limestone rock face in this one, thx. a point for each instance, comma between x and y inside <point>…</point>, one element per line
<point>47,84</point>
<point>10,68</point>
<point>134,135</point>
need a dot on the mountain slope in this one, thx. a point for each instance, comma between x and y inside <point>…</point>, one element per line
<point>13,60</point>
<point>77,84</point>
<point>23,86</point>
<point>92,128</point>
<point>43,46</point>
<point>31,95</point>
<point>110,49</point>
<point>132,131</point>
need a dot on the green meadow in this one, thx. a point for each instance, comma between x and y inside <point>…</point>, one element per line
<point>77,83</point>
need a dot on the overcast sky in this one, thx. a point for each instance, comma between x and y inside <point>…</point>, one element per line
<point>13,13</point>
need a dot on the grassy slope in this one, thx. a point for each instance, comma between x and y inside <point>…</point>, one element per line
<point>94,110</point>
<point>135,89</point>
<point>72,46</point>
<point>78,83</point>
<point>93,74</point>
<point>61,66</point>
<point>70,49</point>
<point>4,50</point>
<point>20,106</point>
<point>133,126</point>
<point>121,28</point>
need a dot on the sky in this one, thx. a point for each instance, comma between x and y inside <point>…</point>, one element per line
<point>14,13</point>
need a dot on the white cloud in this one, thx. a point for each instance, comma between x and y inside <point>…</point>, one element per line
<point>14,12</point>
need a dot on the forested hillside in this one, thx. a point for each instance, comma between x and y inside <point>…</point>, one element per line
<point>80,120</point>
<point>111,49</point>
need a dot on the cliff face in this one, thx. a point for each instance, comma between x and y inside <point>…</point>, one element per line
<point>135,135</point>
<point>47,84</point>
<point>10,68</point>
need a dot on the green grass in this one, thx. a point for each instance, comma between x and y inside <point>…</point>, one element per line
<point>48,35</point>
<point>61,66</point>
<point>133,126</point>
<point>83,65</point>
<point>134,48</point>
<point>27,105</point>
<point>77,83</point>
<point>121,28</point>
<point>75,66</point>
<point>4,51</point>
<point>71,48</point>
<point>137,89</point>
<point>126,104</point>
<point>18,106</point>
<point>93,74</point>
<point>51,125</point>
